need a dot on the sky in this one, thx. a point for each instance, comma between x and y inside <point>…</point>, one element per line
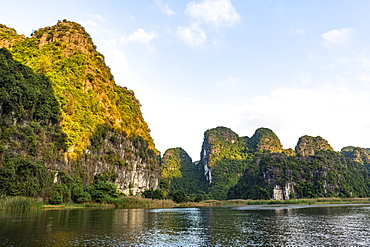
<point>296,67</point>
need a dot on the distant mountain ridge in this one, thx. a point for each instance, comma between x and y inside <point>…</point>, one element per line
<point>69,133</point>
<point>233,167</point>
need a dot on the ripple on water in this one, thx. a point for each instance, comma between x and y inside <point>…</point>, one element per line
<point>224,226</point>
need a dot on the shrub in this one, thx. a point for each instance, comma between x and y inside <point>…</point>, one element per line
<point>180,197</point>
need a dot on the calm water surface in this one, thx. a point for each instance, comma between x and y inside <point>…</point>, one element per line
<point>223,226</point>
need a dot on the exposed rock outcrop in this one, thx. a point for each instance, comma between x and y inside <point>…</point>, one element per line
<point>180,173</point>
<point>283,193</point>
<point>308,145</point>
<point>8,37</point>
<point>358,154</point>
<point>100,125</point>
<point>265,139</point>
<point>222,160</point>
<point>281,177</point>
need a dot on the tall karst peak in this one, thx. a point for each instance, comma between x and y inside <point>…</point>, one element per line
<point>101,123</point>
<point>309,145</point>
<point>83,84</point>
<point>265,139</point>
<point>223,133</point>
<point>217,140</point>
<point>71,35</point>
<point>8,36</point>
<point>358,154</point>
<point>222,160</point>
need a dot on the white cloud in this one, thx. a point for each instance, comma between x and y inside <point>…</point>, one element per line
<point>141,36</point>
<point>91,26</point>
<point>229,82</point>
<point>165,8</point>
<point>116,59</point>
<point>296,31</point>
<point>303,80</point>
<point>193,35</point>
<point>217,13</point>
<point>337,37</point>
<point>300,32</point>
<point>335,113</point>
<point>213,13</point>
<point>91,23</point>
<point>364,78</point>
<point>98,17</point>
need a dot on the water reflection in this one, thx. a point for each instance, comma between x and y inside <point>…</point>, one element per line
<point>224,226</point>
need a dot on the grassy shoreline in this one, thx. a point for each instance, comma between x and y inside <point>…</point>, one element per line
<point>20,203</point>
<point>304,201</point>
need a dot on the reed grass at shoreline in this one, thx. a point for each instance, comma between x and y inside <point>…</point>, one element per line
<point>20,203</point>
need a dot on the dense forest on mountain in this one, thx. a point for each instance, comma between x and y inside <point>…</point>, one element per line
<point>233,167</point>
<point>30,134</point>
<point>65,124</point>
<point>68,133</point>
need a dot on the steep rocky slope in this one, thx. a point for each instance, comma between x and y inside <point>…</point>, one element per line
<point>259,168</point>
<point>31,138</point>
<point>280,177</point>
<point>358,154</point>
<point>265,139</point>
<point>223,160</point>
<point>100,123</point>
<point>179,172</point>
<point>308,145</point>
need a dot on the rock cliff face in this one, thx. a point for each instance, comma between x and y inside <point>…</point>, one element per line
<point>283,193</point>
<point>217,142</point>
<point>358,154</point>
<point>31,138</point>
<point>179,172</point>
<point>70,34</point>
<point>134,163</point>
<point>223,160</point>
<point>259,168</point>
<point>308,145</point>
<point>99,125</point>
<point>265,140</point>
<point>8,37</point>
<point>281,177</point>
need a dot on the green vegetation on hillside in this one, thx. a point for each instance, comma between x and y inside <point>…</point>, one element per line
<point>259,168</point>
<point>360,155</point>
<point>82,83</point>
<point>265,140</point>
<point>226,156</point>
<point>30,135</point>
<point>65,123</point>
<point>68,133</point>
<point>179,172</point>
<point>180,178</point>
<point>327,174</point>
<point>308,145</point>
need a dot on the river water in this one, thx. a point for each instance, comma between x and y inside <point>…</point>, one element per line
<point>273,225</point>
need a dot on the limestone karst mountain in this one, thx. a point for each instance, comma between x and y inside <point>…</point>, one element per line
<point>358,154</point>
<point>96,127</point>
<point>308,145</point>
<point>265,139</point>
<point>236,167</point>
<point>68,132</point>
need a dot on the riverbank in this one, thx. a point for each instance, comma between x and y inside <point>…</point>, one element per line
<point>292,201</point>
<point>138,202</point>
<point>19,203</point>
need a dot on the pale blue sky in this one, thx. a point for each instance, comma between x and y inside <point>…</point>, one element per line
<point>296,67</point>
